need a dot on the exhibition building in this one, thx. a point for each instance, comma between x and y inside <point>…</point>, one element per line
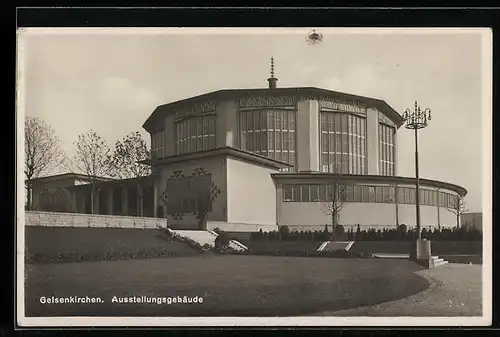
<point>265,157</point>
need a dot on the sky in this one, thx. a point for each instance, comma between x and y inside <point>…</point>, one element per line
<point>111,81</point>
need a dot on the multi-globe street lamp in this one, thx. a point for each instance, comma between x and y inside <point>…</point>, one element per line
<point>417,119</point>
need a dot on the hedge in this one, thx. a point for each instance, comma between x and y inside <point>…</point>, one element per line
<point>385,234</point>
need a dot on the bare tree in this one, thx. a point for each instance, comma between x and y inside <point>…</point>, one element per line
<point>92,159</point>
<point>336,198</point>
<point>458,207</point>
<point>126,161</point>
<point>42,151</point>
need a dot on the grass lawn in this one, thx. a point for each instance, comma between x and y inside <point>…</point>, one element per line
<point>65,244</point>
<point>229,285</point>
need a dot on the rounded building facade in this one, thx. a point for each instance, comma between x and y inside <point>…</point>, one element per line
<point>276,153</point>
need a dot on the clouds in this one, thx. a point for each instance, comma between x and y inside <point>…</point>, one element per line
<point>112,83</point>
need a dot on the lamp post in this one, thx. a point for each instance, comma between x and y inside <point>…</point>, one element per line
<point>417,119</point>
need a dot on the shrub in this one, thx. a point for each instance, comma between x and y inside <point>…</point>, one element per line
<point>339,230</point>
<point>284,231</point>
<point>385,234</point>
<point>402,228</point>
<point>222,240</point>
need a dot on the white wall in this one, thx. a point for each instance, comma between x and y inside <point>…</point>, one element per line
<point>227,124</point>
<point>251,193</point>
<point>428,215</point>
<point>52,219</point>
<point>305,214</point>
<point>308,135</point>
<point>448,219</point>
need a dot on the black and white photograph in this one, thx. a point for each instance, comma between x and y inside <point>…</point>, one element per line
<point>254,176</point>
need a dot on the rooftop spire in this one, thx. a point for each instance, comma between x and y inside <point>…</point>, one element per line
<point>272,67</point>
<point>272,80</point>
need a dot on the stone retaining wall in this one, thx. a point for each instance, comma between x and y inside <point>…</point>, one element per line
<point>53,219</point>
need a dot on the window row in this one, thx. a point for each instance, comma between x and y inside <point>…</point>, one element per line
<point>258,141</point>
<point>268,119</point>
<point>343,143</point>
<point>386,150</point>
<point>269,133</point>
<point>158,144</point>
<point>364,193</point>
<point>195,135</point>
<point>338,122</point>
<point>343,163</point>
<point>346,193</point>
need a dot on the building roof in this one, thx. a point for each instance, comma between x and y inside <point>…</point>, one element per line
<point>66,176</point>
<point>371,179</point>
<point>116,182</point>
<point>227,94</point>
<point>227,152</point>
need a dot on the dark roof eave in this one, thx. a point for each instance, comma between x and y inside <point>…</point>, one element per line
<point>236,93</point>
<point>76,176</point>
<point>115,182</point>
<point>225,151</point>
<point>373,178</point>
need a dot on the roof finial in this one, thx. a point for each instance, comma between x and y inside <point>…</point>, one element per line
<point>272,67</point>
<point>272,80</point>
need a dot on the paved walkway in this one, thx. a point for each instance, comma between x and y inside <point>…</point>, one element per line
<point>455,290</point>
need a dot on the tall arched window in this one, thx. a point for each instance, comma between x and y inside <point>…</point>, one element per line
<point>195,134</point>
<point>269,133</point>
<point>343,143</point>
<point>158,144</point>
<point>386,149</point>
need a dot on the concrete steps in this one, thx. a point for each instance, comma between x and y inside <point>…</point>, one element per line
<point>202,237</point>
<point>331,246</point>
<point>207,238</point>
<point>437,261</point>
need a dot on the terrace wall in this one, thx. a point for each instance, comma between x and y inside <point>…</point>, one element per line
<point>52,219</point>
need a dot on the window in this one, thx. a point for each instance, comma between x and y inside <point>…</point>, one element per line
<point>158,144</point>
<point>297,193</point>
<point>314,193</point>
<point>413,195</point>
<point>365,194</point>
<point>371,193</point>
<point>349,191</point>
<point>342,143</point>
<point>352,193</point>
<point>358,197</point>
<point>434,198</point>
<point>305,193</point>
<point>287,193</point>
<point>322,193</point>
<point>269,133</point>
<point>406,195</point>
<point>386,149</point>
<point>378,194</point>
<point>195,134</point>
